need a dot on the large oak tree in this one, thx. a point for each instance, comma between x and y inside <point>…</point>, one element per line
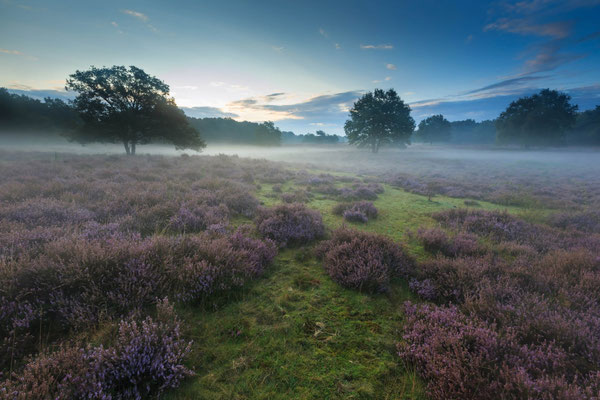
<point>538,120</point>
<point>126,105</point>
<point>379,118</point>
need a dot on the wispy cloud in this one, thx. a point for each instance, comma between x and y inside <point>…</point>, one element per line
<point>278,49</point>
<point>141,16</point>
<point>119,31</point>
<point>376,46</point>
<point>323,33</point>
<point>317,108</point>
<point>13,52</point>
<point>556,30</point>
<point>391,66</point>
<point>18,53</point>
<point>514,82</point>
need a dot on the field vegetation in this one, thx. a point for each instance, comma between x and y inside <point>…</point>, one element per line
<point>227,277</point>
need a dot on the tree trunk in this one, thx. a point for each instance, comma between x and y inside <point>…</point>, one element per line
<point>126,145</point>
<point>375,147</point>
<point>132,148</point>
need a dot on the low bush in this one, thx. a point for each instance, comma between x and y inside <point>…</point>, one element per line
<point>363,261</point>
<point>436,241</point>
<point>290,224</point>
<point>465,358</point>
<point>145,360</point>
<point>359,211</point>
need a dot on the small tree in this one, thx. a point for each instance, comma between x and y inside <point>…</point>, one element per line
<point>129,106</point>
<point>434,129</point>
<point>541,119</point>
<point>379,118</point>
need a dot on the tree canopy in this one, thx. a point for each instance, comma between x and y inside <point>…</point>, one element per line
<point>434,129</point>
<point>538,120</point>
<point>379,118</point>
<point>23,113</point>
<point>126,105</point>
<point>587,128</point>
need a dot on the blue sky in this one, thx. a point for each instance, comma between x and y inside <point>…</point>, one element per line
<point>302,64</point>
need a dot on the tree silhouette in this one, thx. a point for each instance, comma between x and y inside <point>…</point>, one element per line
<point>267,134</point>
<point>379,118</point>
<point>541,119</point>
<point>434,129</point>
<point>127,105</point>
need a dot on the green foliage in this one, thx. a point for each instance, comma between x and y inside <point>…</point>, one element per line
<point>587,128</point>
<point>267,134</point>
<point>472,132</point>
<point>124,105</point>
<point>319,138</point>
<point>538,120</point>
<point>379,118</point>
<point>227,130</point>
<point>18,112</point>
<point>434,129</point>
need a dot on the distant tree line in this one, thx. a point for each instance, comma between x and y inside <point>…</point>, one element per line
<point>227,130</point>
<point>128,106</point>
<point>546,118</point>
<point>23,113</point>
<point>317,138</point>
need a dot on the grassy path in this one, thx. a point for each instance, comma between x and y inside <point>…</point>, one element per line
<point>295,334</point>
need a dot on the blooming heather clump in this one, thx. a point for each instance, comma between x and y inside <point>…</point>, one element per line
<point>501,226</point>
<point>200,268</point>
<point>76,281</point>
<point>465,358</point>
<point>361,192</point>
<point>298,196</point>
<point>146,357</point>
<point>145,360</point>
<point>435,241</point>
<point>199,218</point>
<point>290,224</point>
<point>359,211</point>
<point>363,261</point>
<point>583,221</point>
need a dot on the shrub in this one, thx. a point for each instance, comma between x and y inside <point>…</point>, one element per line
<point>359,211</point>
<point>290,224</point>
<point>353,215</point>
<point>363,261</point>
<point>435,241</point>
<point>465,358</point>
<point>145,360</point>
<point>200,218</point>
<point>298,196</point>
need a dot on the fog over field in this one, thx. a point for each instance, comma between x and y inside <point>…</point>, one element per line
<point>251,200</point>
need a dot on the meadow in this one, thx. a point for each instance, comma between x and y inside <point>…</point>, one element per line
<point>410,274</point>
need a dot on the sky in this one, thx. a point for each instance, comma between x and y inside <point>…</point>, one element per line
<point>303,64</point>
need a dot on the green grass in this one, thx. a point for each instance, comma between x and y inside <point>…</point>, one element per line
<point>295,334</point>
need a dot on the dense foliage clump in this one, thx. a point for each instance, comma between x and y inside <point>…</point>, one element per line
<point>290,224</point>
<point>363,261</point>
<point>518,318</point>
<point>145,359</point>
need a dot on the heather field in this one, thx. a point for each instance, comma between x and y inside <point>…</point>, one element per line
<point>424,273</point>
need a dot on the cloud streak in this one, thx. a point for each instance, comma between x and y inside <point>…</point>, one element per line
<point>557,30</point>
<point>136,14</point>
<point>376,46</point>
